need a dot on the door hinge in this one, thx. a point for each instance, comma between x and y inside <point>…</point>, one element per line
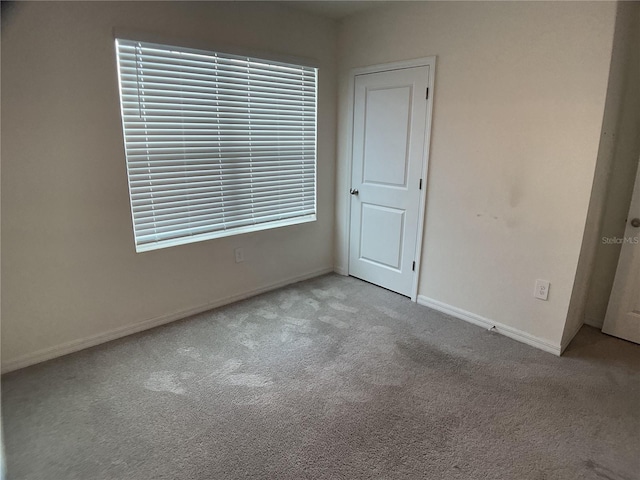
<point>413,267</point>
<point>420,187</point>
<point>427,97</point>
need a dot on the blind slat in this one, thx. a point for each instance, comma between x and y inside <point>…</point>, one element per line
<point>217,204</point>
<point>141,194</point>
<point>157,205</point>
<point>205,225</point>
<point>178,220</point>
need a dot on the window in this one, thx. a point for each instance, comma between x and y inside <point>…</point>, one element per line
<point>216,144</point>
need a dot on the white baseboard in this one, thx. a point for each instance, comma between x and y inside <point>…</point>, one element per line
<point>81,344</point>
<point>488,323</point>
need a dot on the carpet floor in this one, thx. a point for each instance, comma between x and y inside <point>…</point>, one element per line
<point>331,378</point>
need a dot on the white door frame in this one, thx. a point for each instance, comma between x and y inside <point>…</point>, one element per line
<point>418,62</point>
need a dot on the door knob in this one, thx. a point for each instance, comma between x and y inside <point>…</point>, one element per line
<point>635,222</point>
<point>354,191</point>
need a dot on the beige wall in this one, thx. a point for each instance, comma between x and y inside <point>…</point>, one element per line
<point>518,106</point>
<point>69,267</point>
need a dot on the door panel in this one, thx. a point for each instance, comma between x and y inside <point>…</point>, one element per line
<point>385,250</point>
<point>389,133</point>
<point>623,313</point>
<point>387,122</point>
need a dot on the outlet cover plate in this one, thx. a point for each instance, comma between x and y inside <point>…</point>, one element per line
<point>542,289</point>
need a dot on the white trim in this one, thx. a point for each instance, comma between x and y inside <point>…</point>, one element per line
<point>385,67</point>
<point>565,343</point>
<point>81,344</point>
<point>426,151</point>
<point>347,217</point>
<point>490,324</point>
<point>417,62</point>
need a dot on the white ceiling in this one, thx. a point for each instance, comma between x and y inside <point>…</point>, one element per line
<point>334,9</point>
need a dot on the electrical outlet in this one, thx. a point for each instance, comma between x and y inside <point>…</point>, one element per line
<point>239,253</point>
<point>542,289</point>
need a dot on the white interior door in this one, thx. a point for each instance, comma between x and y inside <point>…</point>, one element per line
<point>389,134</point>
<point>623,314</point>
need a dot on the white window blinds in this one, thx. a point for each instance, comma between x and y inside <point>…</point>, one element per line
<point>216,144</point>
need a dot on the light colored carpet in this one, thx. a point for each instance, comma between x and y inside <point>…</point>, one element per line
<point>332,378</point>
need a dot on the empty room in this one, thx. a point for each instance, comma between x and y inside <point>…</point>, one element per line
<point>320,240</point>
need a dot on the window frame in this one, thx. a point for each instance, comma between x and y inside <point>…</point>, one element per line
<point>119,34</point>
